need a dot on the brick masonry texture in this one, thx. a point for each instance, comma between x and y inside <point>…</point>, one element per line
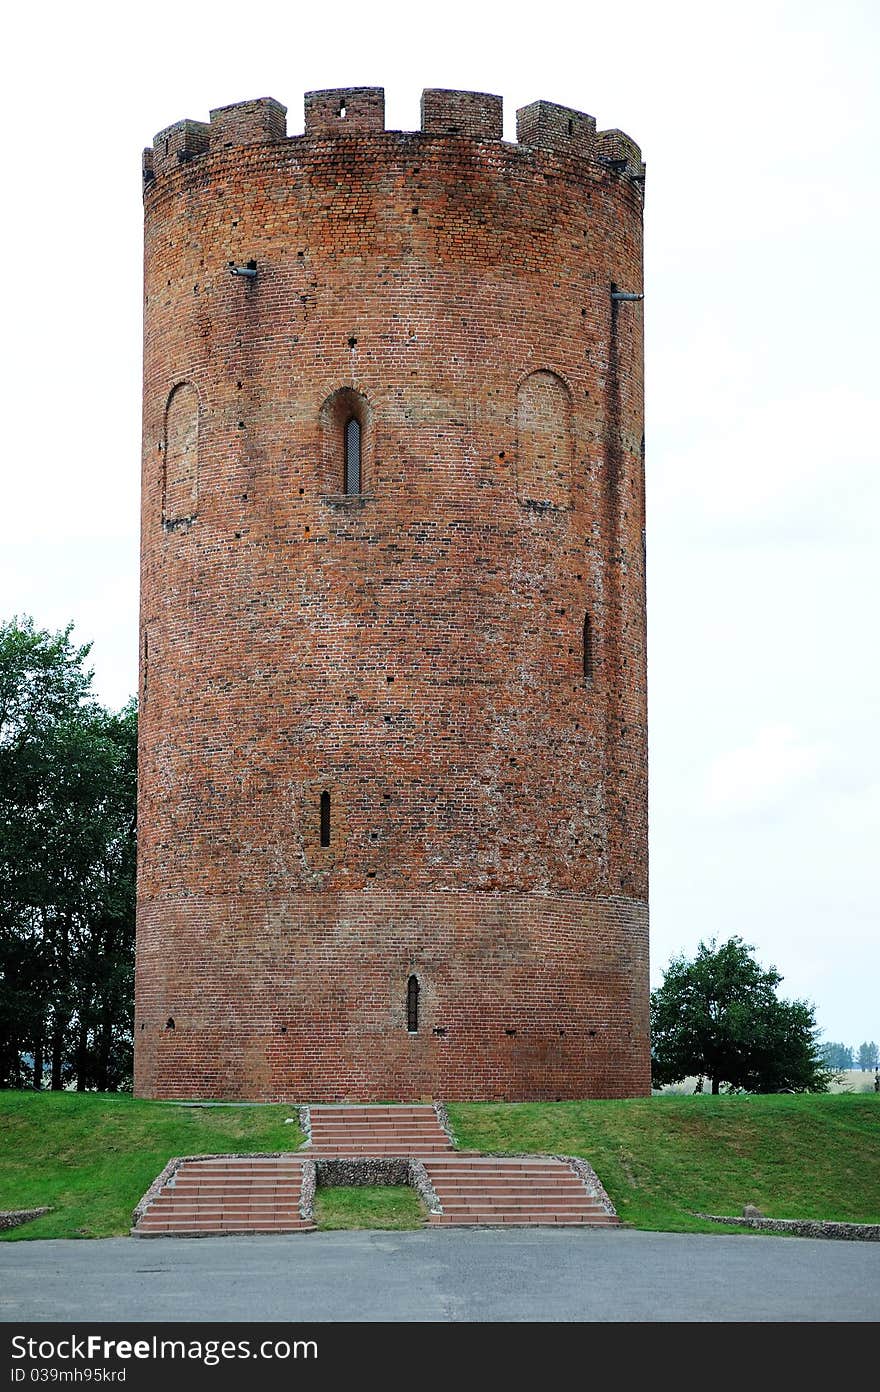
<point>415,650</point>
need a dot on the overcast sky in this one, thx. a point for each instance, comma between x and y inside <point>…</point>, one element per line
<point>759,125</point>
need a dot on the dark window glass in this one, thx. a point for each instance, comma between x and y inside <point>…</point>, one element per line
<point>325,819</point>
<point>353,456</point>
<point>412,1004</point>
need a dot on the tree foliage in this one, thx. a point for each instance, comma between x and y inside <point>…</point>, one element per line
<point>719,1016</point>
<point>868,1055</point>
<point>837,1055</point>
<point>68,779</point>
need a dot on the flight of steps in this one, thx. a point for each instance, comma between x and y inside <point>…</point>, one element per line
<point>261,1193</point>
<point>350,1132</point>
<point>228,1194</point>
<point>490,1190</point>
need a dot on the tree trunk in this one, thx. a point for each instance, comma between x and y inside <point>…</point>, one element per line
<point>39,1065</point>
<point>57,1056</point>
<point>102,1053</point>
<point>81,1047</point>
<point>715,1086</point>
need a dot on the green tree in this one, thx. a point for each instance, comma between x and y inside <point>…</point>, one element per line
<point>67,861</point>
<point>868,1055</point>
<point>719,1016</point>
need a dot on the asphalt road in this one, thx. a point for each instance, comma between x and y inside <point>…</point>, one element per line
<point>452,1275</point>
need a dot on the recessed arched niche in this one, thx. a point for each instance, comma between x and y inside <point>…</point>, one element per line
<point>543,440</point>
<point>180,475</point>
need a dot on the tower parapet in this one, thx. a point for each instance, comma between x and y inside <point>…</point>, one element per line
<point>342,111</point>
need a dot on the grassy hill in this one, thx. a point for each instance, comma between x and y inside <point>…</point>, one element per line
<point>664,1158</point>
<point>661,1159</point>
<point>92,1155</point>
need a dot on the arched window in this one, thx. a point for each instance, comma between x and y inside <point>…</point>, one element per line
<point>346,422</point>
<point>588,649</point>
<point>325,819</point>
<point>353,455</point>
<point>412,1005</point>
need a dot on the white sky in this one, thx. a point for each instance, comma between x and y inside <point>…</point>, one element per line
<point>759,126</point>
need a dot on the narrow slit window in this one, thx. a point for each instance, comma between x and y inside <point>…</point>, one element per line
<point>588,649</point>
<point>353,456</point>
<point>325,819</point>
<point>412,1005</point>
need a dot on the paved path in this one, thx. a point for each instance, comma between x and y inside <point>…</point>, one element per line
<point>443,1275</point>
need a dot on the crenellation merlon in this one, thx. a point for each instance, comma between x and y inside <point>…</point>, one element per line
<point>345,110</point>
<point>476,115</point>
<point>179,143</point>
<point>616,149</point>
<point>545,126</point>
<point>258,122</point>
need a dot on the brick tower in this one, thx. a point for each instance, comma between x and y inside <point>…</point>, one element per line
<point>393,768</point>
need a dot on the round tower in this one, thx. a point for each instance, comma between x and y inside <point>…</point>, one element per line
<point>393,764</point>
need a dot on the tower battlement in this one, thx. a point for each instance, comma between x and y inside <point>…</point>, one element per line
<point>347,111</point>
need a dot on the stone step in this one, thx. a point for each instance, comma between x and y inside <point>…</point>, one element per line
<point>198,1228</point>
<point>505,1205</point>
<point>520,1219</point>
<point>288,1167</point>
<point>365,1119</point>
<point>457,1160</point>
<point>324,1109</point>
<point>381,1128</point>
<point>167,1201</point>
<point>352,1150</point>
<point>173,1210</point>
<point>372,1131</point>
<point>542,1194</point>
<point>264,1186</point>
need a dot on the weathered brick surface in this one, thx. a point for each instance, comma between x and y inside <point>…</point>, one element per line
<point>416,650</point>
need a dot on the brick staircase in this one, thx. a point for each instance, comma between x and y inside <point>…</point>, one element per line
<point>500,1190</point>
<point>228,1194</point>
<point>350,1132</point>
<point>261,1193</point>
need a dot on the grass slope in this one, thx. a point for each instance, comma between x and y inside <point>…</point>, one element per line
<point>91,1156</point>
<point>392,1206</point>
<point>663,1158</point>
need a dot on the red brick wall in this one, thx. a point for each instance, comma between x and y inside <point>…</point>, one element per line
<point>417,650</point>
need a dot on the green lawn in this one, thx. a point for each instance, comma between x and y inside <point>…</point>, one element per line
<point>664,1158</point>
<point>661,1159</point>
<point>369,1206</point>
<point>91,1156</point>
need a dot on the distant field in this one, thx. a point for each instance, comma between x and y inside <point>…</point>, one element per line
<point>851,1080</point>
<point>662,1159</point>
